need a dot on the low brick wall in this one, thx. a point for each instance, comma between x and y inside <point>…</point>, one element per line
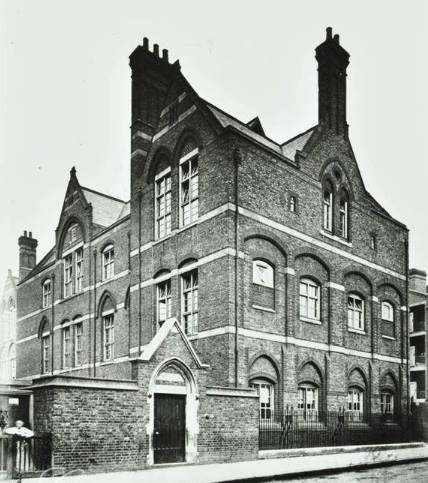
<point>97,428</point>
<point>228,425</point>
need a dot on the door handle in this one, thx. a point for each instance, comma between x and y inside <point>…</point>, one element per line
<point>156,432</point>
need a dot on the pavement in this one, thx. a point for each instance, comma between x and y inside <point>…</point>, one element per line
<point>271,464</point>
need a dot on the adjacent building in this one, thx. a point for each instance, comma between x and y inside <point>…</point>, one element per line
<point>244,275</point>
<point>418,297</point>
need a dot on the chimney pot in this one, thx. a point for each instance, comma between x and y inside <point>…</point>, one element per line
<point>329,33</point>
<point>146,43</point>
<point>336,38</point>
<point>25,232</point>
<point>156,49</point>
<point>165,55</point>
<point>30,235</point>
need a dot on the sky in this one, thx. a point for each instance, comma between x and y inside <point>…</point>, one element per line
<point>65,92</point>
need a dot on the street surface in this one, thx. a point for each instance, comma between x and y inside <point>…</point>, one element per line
<point>412,473</point>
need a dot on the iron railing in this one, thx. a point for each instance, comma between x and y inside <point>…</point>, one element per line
<point>298,429</point>
<point>25,456</point>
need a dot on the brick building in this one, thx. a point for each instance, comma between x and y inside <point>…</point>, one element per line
<point>418,298</point>
<point>243,276</point>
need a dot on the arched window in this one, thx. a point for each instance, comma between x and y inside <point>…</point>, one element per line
<point>265,390</point>
<point>344,214</point>
<point>293,203</point>
<point>163,200</point>
<point>263,285</point>
<point>387,323</point>
<point>108,262</point>
<point>308,401</point>
<point>66,347</point>
<point>78,344</point>
<point>328,206</point>
<point>387,404</point>
<point>45,337</point>
<point>355,312</point>
<point>12,361</point>
<point>189,297</point>
<point>309,299</point>
<point>47,293</point>
<point>72,254</point>
<point>163,301</point>
<point>189,184</point>
<point>355,404</point>
<point>387,311</point>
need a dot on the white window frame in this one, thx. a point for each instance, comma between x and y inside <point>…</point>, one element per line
<point>309,304</point>
<point>163,204</point>
<point>78,263</point>
<point>68,275</point>
<point>190,294</point>
<point>327,209</point>
<point>66,347</point>
<point>263,274</point>
<point>108,262</point>
<point>344,217</point>
<point>163,296</point>
<point>355,400</point>
<point>47,293</point>
<point>387,407</point>
<point>293,204</point>
<point>108,335</point>
<point>356,323</point>
<point>78,343</point>
<point>308,401</point>
<point>387,311</point>
<point>266,391</point>
<point>193,200</point>
<point>46,347</point>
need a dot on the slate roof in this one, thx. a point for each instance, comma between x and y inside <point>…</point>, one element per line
<point>106,210</point>
<point>297,143</point>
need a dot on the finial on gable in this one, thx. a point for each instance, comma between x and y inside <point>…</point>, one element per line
<point>72,172</point>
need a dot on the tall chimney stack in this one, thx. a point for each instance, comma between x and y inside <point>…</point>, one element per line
<point>332,63</point>
<point>27,254</point>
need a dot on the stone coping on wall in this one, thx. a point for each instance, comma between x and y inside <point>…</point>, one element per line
<point>231,391</point>
<point>84,382</point>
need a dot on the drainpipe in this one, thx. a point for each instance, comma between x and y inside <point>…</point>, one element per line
<point>95,315</point>
<point>89,306</point>
<point>405,349</point>
<point>129,296</point>
<point>140,197</point>
<point>237,157</point>
<point>53,323</point>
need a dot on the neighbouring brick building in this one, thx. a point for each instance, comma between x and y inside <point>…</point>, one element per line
<point>418,298</point>
<point>243,276</point>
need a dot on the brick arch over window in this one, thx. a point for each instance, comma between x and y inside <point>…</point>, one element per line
<point>159,162</point>
<point>188,141</point>
<point>312,254</point>
<point>188,260</point>
<point>357,377</point>
<point>44,327</point>
<point>270,238</point>
<point>328,171</point>
<point>386,287</point>
<point>64,230</point>
<point>310,371</point>
<point>106,302</point>
<point>263,366</point>
<point>361,280</point>
<point>388,380</point>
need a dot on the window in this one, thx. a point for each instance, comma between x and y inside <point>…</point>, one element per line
<point>373,242</point>
<point>47,294</point>
<point>163,204</point>
<point>293,204</point>
<point>355,403</point>
<point>387,311</point>
<point>263,274</point>
<point>189,284</point>
<point>66,349</point>
<point>68,275</point>
<point>12,362</point>
<point>263,285</point>
<point>45,352</point>
<point>265,390</point>
<point>163,301</point>
<point>78,332</point>
<point>309,299</point>
<point>344,216</point>
<point>387,404</point>
<point>79,269</point>
<point>328,207</point>
<point>189,191</point>
<point>308,401</point>
<point>108,262</point>
<point>355,312</point>
<point>108,332</point>
<point>173,113</point>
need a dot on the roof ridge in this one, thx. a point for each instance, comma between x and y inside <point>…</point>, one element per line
<point>299,135</point>
<point>102,194</point>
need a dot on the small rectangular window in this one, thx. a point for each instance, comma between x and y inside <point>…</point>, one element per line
<point>292,204</point>
<point>355,312</point>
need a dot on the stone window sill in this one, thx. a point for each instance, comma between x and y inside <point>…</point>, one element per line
<point>264,309</point>
<point>388,337</point>
<point>357,331</point>
<point>311,321</point>
<point>336,238</point>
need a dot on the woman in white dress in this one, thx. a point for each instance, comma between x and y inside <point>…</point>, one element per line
<point>24,460</point>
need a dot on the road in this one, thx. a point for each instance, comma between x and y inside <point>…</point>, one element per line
<point>413,472</point>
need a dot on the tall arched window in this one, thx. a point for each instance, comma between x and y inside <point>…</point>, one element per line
<point>72,254</point>
<point>328,206</point>
<point>265,390</point>
<point>387,404</point>
<point>355,404</point>
<point>263,285</point>
<point>108,262</point>
<point>108,310</point>
<point>163,199</point>
<point>309,299</point>
<point>189,184</point>
<point>46,293</point>
<point>308,401</point>
<point>344,214</point>
<point>189,296</point>
<point>387,315</point>
<point>45,337</point>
